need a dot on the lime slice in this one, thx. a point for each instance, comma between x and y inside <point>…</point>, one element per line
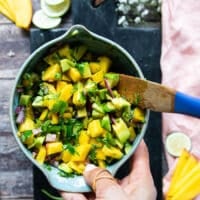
<point>176,142</point>
<point>54,2</point>
<point>56,10</point>
<point>42,21</point>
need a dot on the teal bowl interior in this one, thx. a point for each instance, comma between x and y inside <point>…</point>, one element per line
<point>122,63</point>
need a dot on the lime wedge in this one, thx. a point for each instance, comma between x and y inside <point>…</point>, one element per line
<point>53,2</point>
<point>42,21</point>
<point>55,10</point>
<point>176,142</point>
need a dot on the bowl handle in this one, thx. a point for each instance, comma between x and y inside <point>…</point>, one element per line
<point>77,31</point>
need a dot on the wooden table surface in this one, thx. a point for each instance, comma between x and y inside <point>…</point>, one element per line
<point>16,181</point>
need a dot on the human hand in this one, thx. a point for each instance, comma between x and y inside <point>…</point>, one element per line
<point>137,185</point>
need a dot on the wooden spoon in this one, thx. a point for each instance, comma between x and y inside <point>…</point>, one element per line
<point>157,97</point>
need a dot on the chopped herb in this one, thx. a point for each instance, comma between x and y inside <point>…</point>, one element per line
<point>60,107</point>
<point>26,135</point>
<point>50,195</point>
<point>70,148</point>
<point>47,166</point>
<point>58,76</point>
<point>64,174</point>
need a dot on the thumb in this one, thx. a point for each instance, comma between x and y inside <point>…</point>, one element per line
<point>103,183</point>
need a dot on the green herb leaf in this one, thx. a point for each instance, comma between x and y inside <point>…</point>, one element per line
<point>60,107</point>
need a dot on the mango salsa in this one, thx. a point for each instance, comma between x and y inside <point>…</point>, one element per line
<point>74,113</point>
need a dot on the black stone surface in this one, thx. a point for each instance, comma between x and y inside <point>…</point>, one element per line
<point>144,44</point>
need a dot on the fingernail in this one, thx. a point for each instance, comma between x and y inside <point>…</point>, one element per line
<point>89,167</point>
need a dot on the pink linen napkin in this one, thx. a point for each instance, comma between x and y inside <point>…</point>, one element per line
<point>180,64</point>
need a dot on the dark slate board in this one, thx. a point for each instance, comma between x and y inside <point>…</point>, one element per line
<point>144,44</point>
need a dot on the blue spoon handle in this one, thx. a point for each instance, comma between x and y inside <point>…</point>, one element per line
<point>186,104</point>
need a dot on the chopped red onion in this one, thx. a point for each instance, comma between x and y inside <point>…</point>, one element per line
<point>50,137</point>
<point>112,119</point>
<point>20,117</point>
<point>36,131</point>
<point>108,87</point>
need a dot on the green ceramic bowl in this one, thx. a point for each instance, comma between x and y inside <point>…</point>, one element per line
<point>123,63</point>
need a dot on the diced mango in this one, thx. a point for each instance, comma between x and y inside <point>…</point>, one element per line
<point>60,85</point>
<point>66,92</point>
<point>94,67</point>
<point>65,52</point>
<point>49,103</point>
<point>65,77</point>
<point>101,163</point>
<point>95,129</point>
<point>81,153</point>
<point>96,143</point>
<point>43,115</point>
<point>84,138</point>
<point>67,115</point>
<point>105,63</point>
<point>112,152</point>
<point>51,73</point>
<point>66,156</point>
<point>54,118</point>
<point>78,167</point>
<point>132,133</point>
<point>28,124</point>
<point>138,115</point>
<point>98,77</point>
<point>41,155</point>
<point>54,147</point>
<point>100,155</point>
<point>74,74</point>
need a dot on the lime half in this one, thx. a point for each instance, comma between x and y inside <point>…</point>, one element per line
<point>55,10</point>
<point>42,21</point>
<point>54,2</point>
<point>176,142</point>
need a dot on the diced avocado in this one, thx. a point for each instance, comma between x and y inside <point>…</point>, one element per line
<point>120,102</point>
<point>105,123</point>
<point>82,112</point>
<point>121,130</point>
<point>90,87</point>
<point>127,148</point>
<point>108,107</point>
<point>38,102</point>
<point>98,107</point>
<point>46,88</point>
<point>79,99</point>
<point>39,141</point>
<point>29,79</point>
<point>84,69</point>
<point>52,59</point>
<point>103,94</point>
<point>112,78</point>
<point>66,64</point>
<point>96,114</point>
<point>118,144</point>
<point>64,167</point>
<point>79,51</point>
<point>24,100</point>
<point>127,114</point>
